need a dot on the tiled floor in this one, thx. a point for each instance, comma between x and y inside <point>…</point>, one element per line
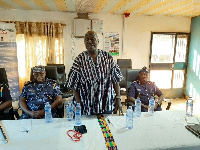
<point>177,104</point>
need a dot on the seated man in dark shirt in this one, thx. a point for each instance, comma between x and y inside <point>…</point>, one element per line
<point>37,92</point>
<point>5,99</point>
<point>145,89</point>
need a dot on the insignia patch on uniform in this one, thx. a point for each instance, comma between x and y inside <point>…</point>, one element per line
<point>31,90</point>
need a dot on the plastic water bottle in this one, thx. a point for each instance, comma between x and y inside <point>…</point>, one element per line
<point>189,106</point>
<point>78,114</point>
<point>70,113</point>
<point>137,107</point>
<point>151,106</point>
<point>129,118</point>
<point>48,114</point>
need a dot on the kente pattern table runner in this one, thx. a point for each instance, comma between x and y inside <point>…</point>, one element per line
<point>109,140</point>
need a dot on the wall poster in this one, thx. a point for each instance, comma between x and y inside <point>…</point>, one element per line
<point>111,43</point>
<point>8,57</point>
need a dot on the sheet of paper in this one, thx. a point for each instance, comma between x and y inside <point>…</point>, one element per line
<point>192,120</point>
<point>25,125</point>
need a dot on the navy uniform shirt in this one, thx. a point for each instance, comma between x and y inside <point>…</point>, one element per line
<point>38,94</point>
<point>145,92</point>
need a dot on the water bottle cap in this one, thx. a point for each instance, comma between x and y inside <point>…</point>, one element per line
<point>78,104</point>
<point>130,107</point>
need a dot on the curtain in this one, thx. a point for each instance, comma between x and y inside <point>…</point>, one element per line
<point>38,43</point>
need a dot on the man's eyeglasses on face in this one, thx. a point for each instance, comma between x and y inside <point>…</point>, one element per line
<point>90,39</point>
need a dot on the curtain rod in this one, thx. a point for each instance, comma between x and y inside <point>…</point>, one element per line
<point>31,22</point>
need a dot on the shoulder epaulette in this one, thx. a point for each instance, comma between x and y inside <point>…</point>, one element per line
<point>4,84</point>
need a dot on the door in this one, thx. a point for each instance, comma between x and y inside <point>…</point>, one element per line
<point>168,62</point>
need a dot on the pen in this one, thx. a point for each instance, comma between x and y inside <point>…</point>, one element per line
<point>109,122</point>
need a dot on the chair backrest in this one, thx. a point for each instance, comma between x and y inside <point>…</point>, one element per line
<point>51,73</point>
<point>60,68</point>
<point>3,76</point>
<point>124,64</point>
<point>61,72</point>
<point>131,75</point>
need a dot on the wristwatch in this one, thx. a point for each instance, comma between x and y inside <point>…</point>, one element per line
<point>158,103</point>
<point>118,97</point>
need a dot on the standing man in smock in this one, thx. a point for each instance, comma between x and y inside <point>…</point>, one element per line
<point>94,78</point>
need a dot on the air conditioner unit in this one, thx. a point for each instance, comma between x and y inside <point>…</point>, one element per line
<point>82,26</point>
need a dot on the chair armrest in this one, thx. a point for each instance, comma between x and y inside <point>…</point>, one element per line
<point>168,104</point>
<point>131,104</point>
<point>8,113</point>
<point>16,113</point>
<point>7,110</point>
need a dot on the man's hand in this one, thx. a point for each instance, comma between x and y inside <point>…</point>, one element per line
<point>155,107</point>
<point>145,106</point>
<point>118,105</point>
<point>36,114</point>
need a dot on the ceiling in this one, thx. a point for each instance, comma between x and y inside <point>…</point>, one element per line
<point>186,8</point>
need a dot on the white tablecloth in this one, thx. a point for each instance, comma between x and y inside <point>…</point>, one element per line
<point>164,130</point>
<point>52,136</point>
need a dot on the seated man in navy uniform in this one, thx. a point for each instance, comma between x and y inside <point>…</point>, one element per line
<point>5,99</point>
<point>144,89</point>
<point>37,92</point>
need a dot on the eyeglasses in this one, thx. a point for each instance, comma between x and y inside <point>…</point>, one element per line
<point>90,39</point>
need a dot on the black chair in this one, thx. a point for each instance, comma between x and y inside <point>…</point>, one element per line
<point>124,64</point>
<point>131,76</point>
<point>3,76</point>
<point>8,113</point>
<point>61,74</point>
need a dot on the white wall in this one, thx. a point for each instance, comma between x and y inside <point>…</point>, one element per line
<point>138,35</point>
<point>137,31</point>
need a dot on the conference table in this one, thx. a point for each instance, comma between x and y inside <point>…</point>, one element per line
<point>163,130</point>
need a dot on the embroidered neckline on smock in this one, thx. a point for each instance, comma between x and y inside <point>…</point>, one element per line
<point>98,58</point>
